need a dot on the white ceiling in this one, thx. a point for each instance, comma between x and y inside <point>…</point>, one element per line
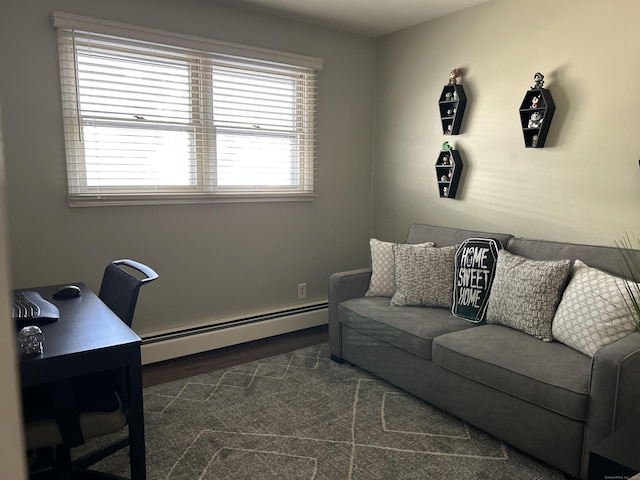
<point>367,17</point>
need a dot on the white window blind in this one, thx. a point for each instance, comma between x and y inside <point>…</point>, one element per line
<point>153,116</point>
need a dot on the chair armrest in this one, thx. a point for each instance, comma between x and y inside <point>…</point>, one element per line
<point>344,286</point>
<point>614,398</point>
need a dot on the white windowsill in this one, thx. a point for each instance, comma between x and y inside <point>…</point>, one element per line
<point>105,201</point>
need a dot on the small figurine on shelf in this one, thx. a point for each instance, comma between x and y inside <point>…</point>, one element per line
<point>449,128</point>
<point>534,141</point>
<point>445,160</point>
<point>538,78</point>
<point>455,96</point>
<point>446,146</point>
<point>451,112</point>
<point>444,178</point>
<point>454,75</point>
<point>445,192</point>
<point>450,174</point>
<point>535,121</point>
<point>448,96</point>
<point>535,102</point>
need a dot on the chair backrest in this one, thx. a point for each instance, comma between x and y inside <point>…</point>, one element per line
<point>119,289</point>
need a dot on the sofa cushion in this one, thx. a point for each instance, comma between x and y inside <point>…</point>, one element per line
<point>593,311</point>
<point>383,269</point>
<point>410,328</point>
<point>475,264</point>
<point>596,256</point>
<point>550,375</point>
<point>444,236</point>
<point>424,276</point>
<point>525,293</point>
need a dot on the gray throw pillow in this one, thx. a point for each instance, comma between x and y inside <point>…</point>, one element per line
<point>526,292</point>
<point>424,275</point>
<point>383,269</point>
<point>593,312</point>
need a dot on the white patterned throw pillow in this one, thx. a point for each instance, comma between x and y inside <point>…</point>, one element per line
<point>424,276</point>
<point>526,292</point>
<point>383,269</point>
<point>592,312</point>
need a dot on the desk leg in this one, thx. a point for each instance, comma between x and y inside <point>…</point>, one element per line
<point>136,420</point>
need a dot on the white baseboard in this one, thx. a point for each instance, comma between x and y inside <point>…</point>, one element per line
<point>159,348</point>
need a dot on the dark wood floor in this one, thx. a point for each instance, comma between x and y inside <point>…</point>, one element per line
<point>184,367</point>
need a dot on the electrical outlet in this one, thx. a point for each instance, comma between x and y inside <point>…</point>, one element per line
<point>302,291</point>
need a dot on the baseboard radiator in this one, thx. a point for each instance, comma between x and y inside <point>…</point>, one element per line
<point>175,344</point>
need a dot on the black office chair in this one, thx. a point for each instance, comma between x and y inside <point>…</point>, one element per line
<point>119,289</point>
<point>66,415</point>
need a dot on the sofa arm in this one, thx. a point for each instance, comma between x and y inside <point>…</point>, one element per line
<point>343,286</point>
<point>614,398</point>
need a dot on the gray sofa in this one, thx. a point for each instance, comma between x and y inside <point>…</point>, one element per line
<point>545,398</point>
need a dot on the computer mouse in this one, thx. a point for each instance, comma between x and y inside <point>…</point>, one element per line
<point>70,291</point>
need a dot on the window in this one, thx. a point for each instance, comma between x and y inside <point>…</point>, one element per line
<point>152,116</point>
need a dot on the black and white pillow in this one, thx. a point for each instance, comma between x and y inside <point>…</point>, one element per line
<point>594,310</point>
<point>424,275</point>
<point>475,269</point>
<point>526,293</point>
<point>383,269</point>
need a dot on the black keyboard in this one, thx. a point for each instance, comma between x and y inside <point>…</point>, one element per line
<point>29,308</point>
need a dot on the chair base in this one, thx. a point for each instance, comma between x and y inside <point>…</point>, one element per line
<point>58,465</point>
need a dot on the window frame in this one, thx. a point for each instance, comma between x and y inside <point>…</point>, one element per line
<point>201,119</point>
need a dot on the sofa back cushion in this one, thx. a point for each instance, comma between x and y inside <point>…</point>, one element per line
<point>444,236</point>
<point>603,258</point>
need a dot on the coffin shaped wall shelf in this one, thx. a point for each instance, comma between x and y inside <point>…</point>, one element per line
<point>451,104</point>
<point>448,170</point>
<point>536,113</point>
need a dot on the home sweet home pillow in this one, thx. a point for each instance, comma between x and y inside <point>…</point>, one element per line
<point>383,269</point>
<point>475,266</point>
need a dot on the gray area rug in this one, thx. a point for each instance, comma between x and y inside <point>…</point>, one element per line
<point>302,416</point>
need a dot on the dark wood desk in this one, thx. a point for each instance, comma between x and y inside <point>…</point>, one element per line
<point>88,338</point>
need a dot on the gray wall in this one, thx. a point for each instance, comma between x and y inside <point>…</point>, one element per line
<point>585,187</point>
<point>225,260</point>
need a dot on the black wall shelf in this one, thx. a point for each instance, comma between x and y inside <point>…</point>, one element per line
<point>448,170</point>
<point>452,103</point>
<point>536,113</point>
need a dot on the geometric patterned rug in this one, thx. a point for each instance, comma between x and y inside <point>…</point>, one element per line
<point>300,416</point>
